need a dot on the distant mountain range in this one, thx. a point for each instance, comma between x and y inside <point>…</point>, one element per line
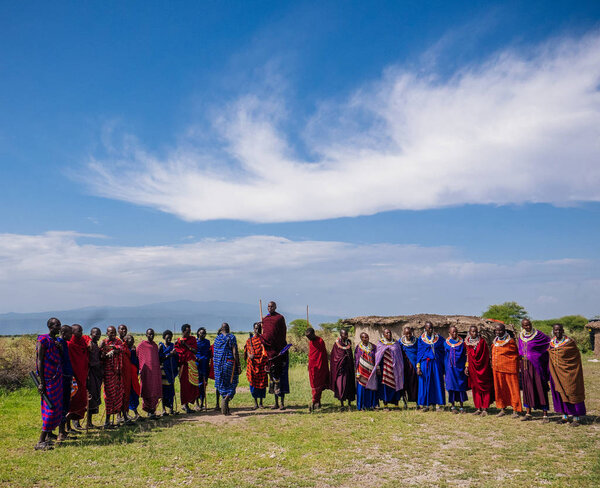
<point>159,316</point>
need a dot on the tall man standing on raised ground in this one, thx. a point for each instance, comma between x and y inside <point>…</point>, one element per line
<point>274,339</point>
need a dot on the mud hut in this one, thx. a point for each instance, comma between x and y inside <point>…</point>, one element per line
<point>374,325</point>
<point>594,328</point>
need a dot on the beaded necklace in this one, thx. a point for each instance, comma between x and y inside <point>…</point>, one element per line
<point>502,341</point>
<point>368,348</point>
<point>459,341</point>
<point>527,337</point>
<point>412,341</point>
<point>427,340</point>
<point>554,343</point>
<point>472,342</point>
<point>385,342</point>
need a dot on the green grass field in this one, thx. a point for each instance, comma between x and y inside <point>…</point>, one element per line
<point>296,448</point>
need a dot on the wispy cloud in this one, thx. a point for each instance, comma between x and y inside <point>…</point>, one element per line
<point>520,127</point>
<point>65,269</point>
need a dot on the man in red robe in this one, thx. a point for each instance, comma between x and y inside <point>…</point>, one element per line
<point>150,374</point>
<point>126,374</point>
<point>274,339</point>
<point>188,371</point>
<point>318,367</point>
<point>78,352</point>
<point>111,350</point>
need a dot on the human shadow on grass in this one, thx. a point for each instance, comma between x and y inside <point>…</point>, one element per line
<point>139,431</point>
<point>123,434</point>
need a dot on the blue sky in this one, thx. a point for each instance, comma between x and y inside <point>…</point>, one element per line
<point>363,157</point>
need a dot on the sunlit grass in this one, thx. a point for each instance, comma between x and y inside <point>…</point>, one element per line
<point>330,448</point>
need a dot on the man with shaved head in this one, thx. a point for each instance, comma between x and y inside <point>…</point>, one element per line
<point>318,367</point>
<point>274,339</point>
<point>78,353</point>
<point>49,369</point>
<point>112,356</point>
<point>63,340</point>
<point>95,375</point>
<point>126,373</point>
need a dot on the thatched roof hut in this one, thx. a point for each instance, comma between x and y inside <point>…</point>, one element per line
<point>374,325</point>
<point>594,328</point>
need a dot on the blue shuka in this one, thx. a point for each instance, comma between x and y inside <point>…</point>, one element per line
<point>430,356</point>
<point>203,357</point>
<point>411,379</point>
<point>456,379</point>
<point>168,366</point>
<point>226,372</point>
<point>410,351</point>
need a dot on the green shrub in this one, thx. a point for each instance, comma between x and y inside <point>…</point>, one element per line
<point>17,359</point>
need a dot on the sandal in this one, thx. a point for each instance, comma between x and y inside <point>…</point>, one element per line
<point>43,446</point>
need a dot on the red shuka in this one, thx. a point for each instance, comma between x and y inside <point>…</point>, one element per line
<point>481,380</point>
<point>150,375</point>
<point>318,366</point>
<point>80,360</point>
<point>273,334</point>
<point>127,376</point>
<point>189,392</point>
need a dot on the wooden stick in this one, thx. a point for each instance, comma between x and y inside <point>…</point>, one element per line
<point>307,322</point>
<point>260,309</point>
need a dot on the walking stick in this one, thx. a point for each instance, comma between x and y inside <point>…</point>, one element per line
<point>307,323</point>
<point>260,309</point>
<point>175,395</point>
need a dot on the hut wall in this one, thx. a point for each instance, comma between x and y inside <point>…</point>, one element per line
<point>374,326</point>
<point>376,332</point>
<point>596,342</point>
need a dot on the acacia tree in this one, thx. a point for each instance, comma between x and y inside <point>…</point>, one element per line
<point>507,312</point>
<point>298,327</point>
<point>335,327</point>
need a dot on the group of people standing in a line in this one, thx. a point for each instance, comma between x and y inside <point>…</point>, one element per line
<point>72,368</point>
<point>421,369</point>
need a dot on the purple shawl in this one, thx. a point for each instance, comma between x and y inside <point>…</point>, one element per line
<point>396,353</point>
<point>536,351</point>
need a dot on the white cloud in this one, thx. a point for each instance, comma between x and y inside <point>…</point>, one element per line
<point>59,270</point>
<point>515,129</point>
